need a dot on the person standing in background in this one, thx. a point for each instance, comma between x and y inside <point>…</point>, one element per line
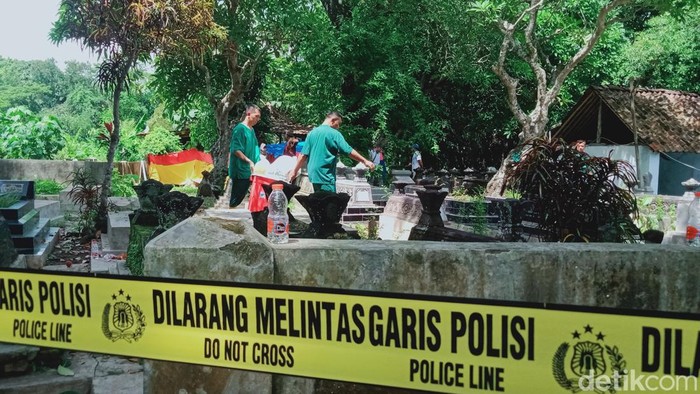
<point>377,157</point>
<point>243,155</point>
<point>416,161</point>
<point>290,149</point>
<point>321,149</point>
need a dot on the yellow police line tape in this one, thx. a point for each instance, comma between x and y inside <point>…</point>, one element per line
<point>412,341</point>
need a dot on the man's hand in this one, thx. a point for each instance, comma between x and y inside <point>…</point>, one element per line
<point>252,166</point>
<point>369,164</point>
<point>291,175</point>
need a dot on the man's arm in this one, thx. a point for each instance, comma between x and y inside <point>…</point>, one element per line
<point>300,163</point>
<point>358,157</point>
<point>241,156</point>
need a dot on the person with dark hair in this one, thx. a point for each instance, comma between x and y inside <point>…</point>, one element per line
<point>321,149</point>
<point>243,155</point>
<point>290,149</point>
<point>579,145</point>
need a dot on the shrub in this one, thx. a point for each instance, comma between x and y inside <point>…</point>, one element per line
<point>123,185</point>
<point>47,186</point>
<point>575,197</point>
<point>85,194</point>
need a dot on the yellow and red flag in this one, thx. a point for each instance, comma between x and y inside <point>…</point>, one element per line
<point>180,168</point>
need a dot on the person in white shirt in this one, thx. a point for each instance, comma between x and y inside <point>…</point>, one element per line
<point>416,161</point>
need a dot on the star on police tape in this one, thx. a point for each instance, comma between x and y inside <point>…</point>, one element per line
<point>588,361</point>
<point>123,319</point>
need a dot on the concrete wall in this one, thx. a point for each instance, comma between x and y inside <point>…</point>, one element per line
<point>647,277</point>
<point>677,168</point>
<point>58,170</point>
<point>649,160</point>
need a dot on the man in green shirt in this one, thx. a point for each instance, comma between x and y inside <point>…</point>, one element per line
<point>321,149</point>
<point>243,155</point>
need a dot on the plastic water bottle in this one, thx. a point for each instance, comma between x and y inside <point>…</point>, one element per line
<point>692,234</point>
<point>277,218</point>
<point>95,248</point>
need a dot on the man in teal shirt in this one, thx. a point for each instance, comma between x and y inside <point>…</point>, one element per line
<point>243,155</point>
<point>321,149</point>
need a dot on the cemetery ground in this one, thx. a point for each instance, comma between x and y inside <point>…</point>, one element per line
<point>63,371</point>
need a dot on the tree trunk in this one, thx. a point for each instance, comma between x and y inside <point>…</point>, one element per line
<point>102,212</point>
<point>220,150</point>
<point>495,185</point>
<point>535,128</point>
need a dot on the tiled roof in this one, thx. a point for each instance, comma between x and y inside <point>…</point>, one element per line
<point>667,120</point>
<point>280,123</point>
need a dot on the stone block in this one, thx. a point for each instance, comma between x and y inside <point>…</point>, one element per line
<point>16,358</point>
<point>207,248</point>
<point>43,249</point>
<point>400,214</point>
<point>118,231</point>
<point>66,202</point>
<point>125,203</point>
<point>48,381</point>
<point>49,209</point>
<point>631,276</point>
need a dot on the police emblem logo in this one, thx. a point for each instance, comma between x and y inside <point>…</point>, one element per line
<point>591,365</point>
<point>123,319</point>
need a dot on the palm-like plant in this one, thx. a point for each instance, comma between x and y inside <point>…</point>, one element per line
<point>576,197</point>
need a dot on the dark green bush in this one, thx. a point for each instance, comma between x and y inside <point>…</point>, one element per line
<point>576,197</point>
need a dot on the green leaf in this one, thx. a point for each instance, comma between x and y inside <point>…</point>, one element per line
<point>64,371</point>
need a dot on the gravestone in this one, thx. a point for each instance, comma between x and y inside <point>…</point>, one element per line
<point>7,249</point>
<point>143,221</point>
<point>400,214</point>
<point>174,207</point>
<point>325,210</point>
<point>361,205</point>
<point>431,227</point>
<point>28,231</point>
<point>400,179</point>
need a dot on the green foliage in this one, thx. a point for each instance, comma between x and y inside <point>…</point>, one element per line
<point>123,185</point>
<point>33,84</point>
<point>24,135</point>
<point>575,196</point>
<point>159,141</point>
<point>203,132</point>
<point>666,54</point>
<point>47,186</point>
<point>189,190</point>
<point>80,148</point>
<point>654,214</point>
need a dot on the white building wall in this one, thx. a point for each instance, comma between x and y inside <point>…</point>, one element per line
<point>649,160</point>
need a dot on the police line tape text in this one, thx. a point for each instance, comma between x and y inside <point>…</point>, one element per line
<point>260,353</point>
<point>477,333</point>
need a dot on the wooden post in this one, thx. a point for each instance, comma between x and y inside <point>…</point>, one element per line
<point>636,138</point>
<point>599,129</point>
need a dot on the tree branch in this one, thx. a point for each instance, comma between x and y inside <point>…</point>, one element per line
<point>207,82</point>
<point>533,58</point>
<point>509,82</point>
<point>601,25</point>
